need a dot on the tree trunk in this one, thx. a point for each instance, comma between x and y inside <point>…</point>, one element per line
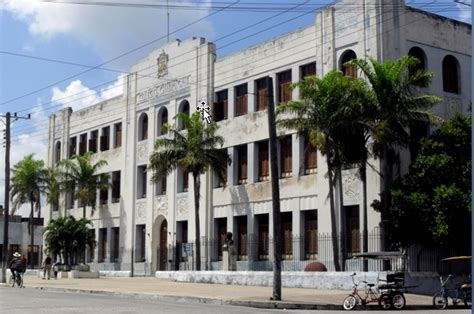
<point>277,295</point>
<point>197,189</point>
<point>84,211</point>
<point>32,234</point>
<point>335,246</point>
<point>386,200</point>
<point>342,218</point>
<point>365,235</point>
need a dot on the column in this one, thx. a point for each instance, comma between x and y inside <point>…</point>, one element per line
<point>230,103</point>
<point>252,161</point>
<point>295,78</point>
<point>297,234</point>
<point>232,170</point>
<point>296,159</point>
<point>251,96</point>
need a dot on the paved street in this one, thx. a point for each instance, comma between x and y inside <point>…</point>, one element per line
<point>37,301</point>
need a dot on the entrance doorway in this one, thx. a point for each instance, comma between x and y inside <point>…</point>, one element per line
<point>163,248</point>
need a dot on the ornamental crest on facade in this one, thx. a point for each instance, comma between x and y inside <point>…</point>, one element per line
<point>162,64</point>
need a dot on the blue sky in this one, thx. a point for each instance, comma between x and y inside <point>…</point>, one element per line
<point>91,35</point>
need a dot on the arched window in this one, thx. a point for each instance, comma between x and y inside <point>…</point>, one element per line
<point>450,74</point>
<point>57,152</point>
<point>143,127</point>
<point>184,108</point>
<point>347,56</point>
<point>162,119</point>
<point>420,55</point>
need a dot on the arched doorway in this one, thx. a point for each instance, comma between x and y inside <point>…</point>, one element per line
<point>163,246</point>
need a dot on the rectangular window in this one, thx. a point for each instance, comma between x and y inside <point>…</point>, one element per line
<point>221,230</point>
<point>241,100</point>
<point>91,255</point>
<point>311,234</point>
<point>218,181</point>
<point>115,186</point>
<point>93,141</point>
<point>285,157</point>
<point>242,238</point>
<point>308,70</point>
<point>287,236</point>
<point>182,231</point>
<point>284,82</point>
<point>352,229</point>
<point>263,161</point>
<point>161,186</point>
<point>102,244</point>
<point>72,146</point>
<point>141,182</point>
<point>117,135</point>
<point>185,180</point>
<point>115,250</point>
<point>242,164</point>
<point>263,236</point>
<point>70,196</point>
<point>103,196</point>
<point>140,243</point>
<point>310,157</point>
<point>82,144</point>
<point>220,106</point>
<point>105,139</point>
<point>33,255</point>
<point>261,94</point>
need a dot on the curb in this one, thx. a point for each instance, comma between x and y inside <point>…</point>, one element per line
<point>282,305</point>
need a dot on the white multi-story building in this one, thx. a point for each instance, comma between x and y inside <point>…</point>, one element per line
<point>137,220</point>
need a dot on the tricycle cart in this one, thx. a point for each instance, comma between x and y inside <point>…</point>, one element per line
<point>462,291</point>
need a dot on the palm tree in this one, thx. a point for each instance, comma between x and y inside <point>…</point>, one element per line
<point>399,103</point>
<point>322,115</point>
<point>82,178</point>
<point>69,237</point>
<point>28,181</point>
<point>195,150</point>
<point>53,187</point>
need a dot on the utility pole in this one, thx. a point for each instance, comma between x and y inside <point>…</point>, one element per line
<point>275,194</point>
<point>6,218</point>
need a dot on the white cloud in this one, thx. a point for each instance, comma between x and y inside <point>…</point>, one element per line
<point>110,31</point>
<point>78,96</point>
<point>464,13</point>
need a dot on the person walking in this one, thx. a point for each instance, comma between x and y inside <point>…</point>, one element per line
<point>47,267</point>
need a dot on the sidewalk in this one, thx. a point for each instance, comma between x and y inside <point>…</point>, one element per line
<point>164,289</point>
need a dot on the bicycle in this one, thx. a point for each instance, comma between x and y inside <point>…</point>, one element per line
<point>16,279</point>
<point>462,293</point>
<point>371,295</point>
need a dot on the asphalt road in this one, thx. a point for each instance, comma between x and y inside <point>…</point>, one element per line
<point>38,301</point>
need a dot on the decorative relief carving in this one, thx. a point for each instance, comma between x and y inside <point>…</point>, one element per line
<point>161,206</point>
<point>182,206</point>
<point>142,151</point>
<point>350,184</point>
<point>140,210</point>
<point>453,105</point>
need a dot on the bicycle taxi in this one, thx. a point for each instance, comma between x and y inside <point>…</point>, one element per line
<point>459,270</point>
<point>388,292</point>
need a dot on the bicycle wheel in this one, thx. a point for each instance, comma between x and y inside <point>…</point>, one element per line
<point>384,302</point>
<point>11,281</point>
<point>439,301</point>
<point>20,281</point>
<point>349,303</point>
<point>398,300</point>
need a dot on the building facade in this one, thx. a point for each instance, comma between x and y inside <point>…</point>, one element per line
<point>143,225</point>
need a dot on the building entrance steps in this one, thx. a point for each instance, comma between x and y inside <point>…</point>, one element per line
<point>150,287</point>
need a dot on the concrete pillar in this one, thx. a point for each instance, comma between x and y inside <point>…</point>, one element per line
<point>252,161</point>
<point>271,234</point>
<point>295,78</point>
<point>231,103</point>
<point>251,239</point>
<point>298,235</point>
<point>251,96</point>
<point>232,170</point>
<point>296,159</point>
